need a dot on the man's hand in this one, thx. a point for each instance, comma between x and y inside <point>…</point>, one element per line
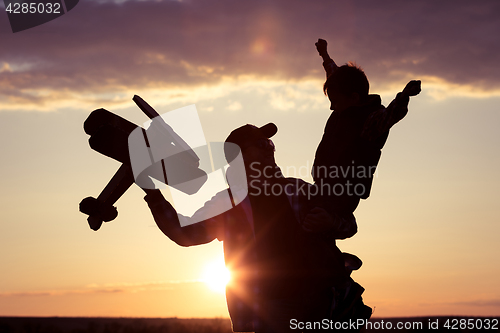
<point>412,88</point>
<point>317,220</point>
<point>321,47</point>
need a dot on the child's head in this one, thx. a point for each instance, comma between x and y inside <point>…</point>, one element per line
<point>347,86</point>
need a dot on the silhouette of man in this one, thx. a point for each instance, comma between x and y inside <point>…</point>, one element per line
<point>275,242</point>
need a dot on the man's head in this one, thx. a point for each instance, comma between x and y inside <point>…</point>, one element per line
<point>347,86</point>
<point>255,145</point>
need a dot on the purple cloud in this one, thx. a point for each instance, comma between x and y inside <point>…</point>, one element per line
<point>105,47</point>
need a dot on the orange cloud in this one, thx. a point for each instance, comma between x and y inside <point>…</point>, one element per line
<point>104,289</point>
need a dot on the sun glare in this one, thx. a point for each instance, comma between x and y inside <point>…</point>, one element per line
<point>216,276</point>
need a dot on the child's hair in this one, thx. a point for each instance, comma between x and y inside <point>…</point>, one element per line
<point>347,79</point>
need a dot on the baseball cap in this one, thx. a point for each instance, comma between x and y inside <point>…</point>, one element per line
<point>244,134</point>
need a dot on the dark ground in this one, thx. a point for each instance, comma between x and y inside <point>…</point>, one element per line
<point>220,325</point>
<point>112,325</point>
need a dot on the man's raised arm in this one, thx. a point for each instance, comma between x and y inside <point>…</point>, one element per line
<point>167,220</point>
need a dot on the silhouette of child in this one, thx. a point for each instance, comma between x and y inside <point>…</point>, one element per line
<point>356,131</point>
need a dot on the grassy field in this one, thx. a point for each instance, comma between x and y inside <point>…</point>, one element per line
<point>222,325</point>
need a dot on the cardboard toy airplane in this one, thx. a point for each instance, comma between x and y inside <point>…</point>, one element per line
<point>109,135</point>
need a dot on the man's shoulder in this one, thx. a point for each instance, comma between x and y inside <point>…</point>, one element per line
<point>293,180</point>
<point>296,186</point>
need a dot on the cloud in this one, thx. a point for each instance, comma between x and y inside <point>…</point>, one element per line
<point>102,289</point>
<point>101,50</point>
<point>481,303</point>
<point>493,302</point>
<point>234,106</point>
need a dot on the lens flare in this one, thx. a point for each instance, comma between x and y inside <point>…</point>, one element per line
<point>216,276</point>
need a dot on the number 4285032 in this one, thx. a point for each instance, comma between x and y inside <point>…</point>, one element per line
<point>33,8</point>
<point>472,324</point>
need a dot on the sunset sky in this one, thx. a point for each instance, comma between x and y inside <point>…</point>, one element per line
<point>428,234</point>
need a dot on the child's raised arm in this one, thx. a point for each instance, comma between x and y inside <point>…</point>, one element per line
<point>328,63</point>
<point>380,121</point>
<point>412,88</point>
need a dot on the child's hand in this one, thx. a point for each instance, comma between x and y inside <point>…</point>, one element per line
<point>412,88</point>
<point>321,47</point>
<point>317,220</point>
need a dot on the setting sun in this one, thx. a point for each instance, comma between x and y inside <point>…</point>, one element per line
<point>216,276</point>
